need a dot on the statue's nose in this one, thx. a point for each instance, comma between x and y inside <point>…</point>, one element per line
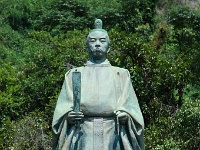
<point>97,43</point>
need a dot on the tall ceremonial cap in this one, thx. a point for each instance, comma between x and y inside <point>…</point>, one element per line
<point>98,24</point>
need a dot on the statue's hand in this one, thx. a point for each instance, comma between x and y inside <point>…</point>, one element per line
<point>122,116</point>
<point>73,116</point>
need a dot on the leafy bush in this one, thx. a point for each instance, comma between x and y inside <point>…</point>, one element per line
<point>37,48</point>
<point>11,99</point>
<point>61,15</point>
<point>31,132</point>
<point>188,124</point>
<point>180,131</point>
<point>157,74</point>
<point>16,14</point>
<point>186,24</point>
<point>169,144</point>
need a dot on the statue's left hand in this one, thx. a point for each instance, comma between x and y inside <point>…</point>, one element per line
<point>122,116</point>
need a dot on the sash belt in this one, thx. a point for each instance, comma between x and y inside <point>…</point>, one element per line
<point>98,133</point>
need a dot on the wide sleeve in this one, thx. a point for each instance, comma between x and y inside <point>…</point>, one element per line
<point>128,103</point>
<point>63,106</point>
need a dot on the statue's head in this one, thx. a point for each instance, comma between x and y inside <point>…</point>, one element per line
<point>98,42</point>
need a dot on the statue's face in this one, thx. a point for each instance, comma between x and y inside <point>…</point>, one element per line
<point>98,45</point>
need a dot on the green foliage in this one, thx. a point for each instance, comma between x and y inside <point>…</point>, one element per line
<point>108,11</point>
<point>186,24</point>
<point>183,17</point>
<point>16,14</point>
<point>169,144</point>
<point>30,87</point>
<point>10,38</point>
<point>56,16</point>
<point>31,132</point>
<point>52,58</point>
<point>161,72</point>
<point>135,13</point>
<point>41,40</point>
<point>180,131</point>
<point>188,125</point>
<point>10,98</point>
<point>61,16</point>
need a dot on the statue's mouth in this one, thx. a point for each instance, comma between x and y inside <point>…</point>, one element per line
<point>98,50</point>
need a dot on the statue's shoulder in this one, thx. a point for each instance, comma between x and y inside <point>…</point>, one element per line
<point>119,70</point>
<point>77,69</point>
<point>74,69</point>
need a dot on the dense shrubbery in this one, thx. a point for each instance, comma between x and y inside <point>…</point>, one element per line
<point>39,42</point>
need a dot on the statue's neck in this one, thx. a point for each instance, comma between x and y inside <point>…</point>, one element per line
<point>97,61</point>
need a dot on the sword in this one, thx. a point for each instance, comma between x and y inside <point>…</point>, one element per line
<point>76,83</point>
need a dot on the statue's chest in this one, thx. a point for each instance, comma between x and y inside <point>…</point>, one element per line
<point>98,91</point>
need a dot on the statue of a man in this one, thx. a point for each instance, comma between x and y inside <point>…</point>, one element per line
<point>110,117</point>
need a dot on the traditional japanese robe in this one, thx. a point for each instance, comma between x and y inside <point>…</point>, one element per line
<point>104,91</point>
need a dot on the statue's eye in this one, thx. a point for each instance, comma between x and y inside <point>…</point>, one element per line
<point>92,40</point>
<point>103,40</point>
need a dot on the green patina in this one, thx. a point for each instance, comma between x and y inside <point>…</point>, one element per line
<point>110,117</point>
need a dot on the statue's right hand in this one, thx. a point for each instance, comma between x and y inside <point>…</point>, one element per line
<point>73,116</point>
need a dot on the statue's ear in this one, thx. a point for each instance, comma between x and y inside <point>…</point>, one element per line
<point>87,49</point>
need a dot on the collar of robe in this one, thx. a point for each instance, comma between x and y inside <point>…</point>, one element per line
<point>106,63</point>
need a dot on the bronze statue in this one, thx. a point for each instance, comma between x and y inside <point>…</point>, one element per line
<point>97,108</point>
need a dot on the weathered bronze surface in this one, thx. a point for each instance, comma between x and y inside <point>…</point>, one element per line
<point>108,112</point>
<point>76,83</point>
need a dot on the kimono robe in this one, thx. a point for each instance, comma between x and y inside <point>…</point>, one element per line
<point>105,89</point>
